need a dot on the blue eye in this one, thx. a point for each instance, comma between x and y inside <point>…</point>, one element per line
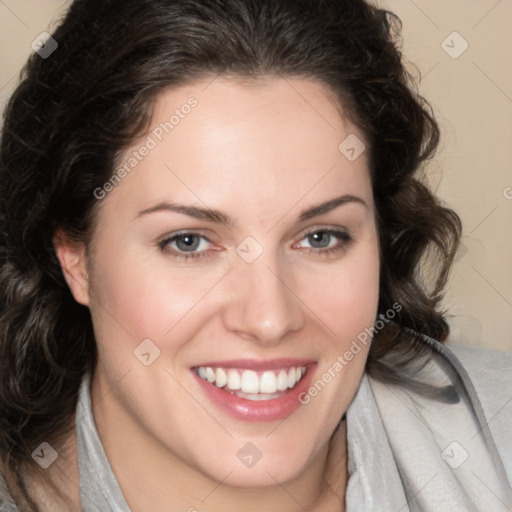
<point>320,239</point>
<point>327,240</point>
<point>186,245</point>
<point>189,245</point>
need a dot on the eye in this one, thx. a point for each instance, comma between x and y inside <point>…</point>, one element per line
<point>189,245</point>
<point>325,241</point>
<point>185,245</point>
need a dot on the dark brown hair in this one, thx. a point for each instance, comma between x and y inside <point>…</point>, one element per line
<point>74,113</point>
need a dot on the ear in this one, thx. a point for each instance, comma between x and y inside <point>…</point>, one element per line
<point>73,262</point>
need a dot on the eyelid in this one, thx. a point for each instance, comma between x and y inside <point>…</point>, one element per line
<point>342,234</point>
<point>305,232</point>
<point>334,230</point>
<point>183,232</point>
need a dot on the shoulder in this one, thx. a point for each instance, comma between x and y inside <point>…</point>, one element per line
<point>6,502</point>
<point>483,364</point>
<point>490,372</point>
<point>452,418</point>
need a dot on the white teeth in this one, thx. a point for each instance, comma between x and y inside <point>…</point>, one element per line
<point>234,380</point>
<point>210,374</point>
<point>282,381</point>
<point>268,382</point>
<point>291,378</point>
<point>250,383</point>
<point>221,378</point>
<point>258,397</point>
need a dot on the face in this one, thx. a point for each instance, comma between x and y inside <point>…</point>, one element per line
<point>239,251</point>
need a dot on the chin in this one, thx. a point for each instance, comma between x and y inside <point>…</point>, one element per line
<point>244,465</point>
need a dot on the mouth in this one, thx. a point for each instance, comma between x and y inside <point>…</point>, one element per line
<point>252,391</point>
<point>252,385</point>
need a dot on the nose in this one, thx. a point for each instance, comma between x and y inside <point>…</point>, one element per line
<point>263,306</point>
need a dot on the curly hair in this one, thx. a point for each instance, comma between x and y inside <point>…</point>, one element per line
<point>75,112</point>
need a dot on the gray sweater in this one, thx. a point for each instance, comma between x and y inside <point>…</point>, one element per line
<point>410,447</point>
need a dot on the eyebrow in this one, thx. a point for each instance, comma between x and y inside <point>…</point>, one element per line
<point>192,211</point>
<point>219,217</point>
<point>327,206</point>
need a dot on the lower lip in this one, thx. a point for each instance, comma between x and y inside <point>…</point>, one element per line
<point>263,410</point>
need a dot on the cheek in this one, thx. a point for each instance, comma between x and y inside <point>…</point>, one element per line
<point>345,295</point>
<point>137,296</point>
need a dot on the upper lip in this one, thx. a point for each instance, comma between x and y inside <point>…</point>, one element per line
<point>258,364</point>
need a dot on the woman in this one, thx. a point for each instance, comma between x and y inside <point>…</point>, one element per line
<point>211,287</point>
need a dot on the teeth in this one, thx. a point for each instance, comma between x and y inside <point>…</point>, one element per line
<point>221,378</point>
<point>291,378</point>
<point>268,382</point>
<point>258,397</point>
<point>250,383</point>
<point>234,380</point>
<point>210,375</point>
<point>282,381</point>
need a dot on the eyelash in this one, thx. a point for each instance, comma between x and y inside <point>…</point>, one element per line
<point>344,241</point>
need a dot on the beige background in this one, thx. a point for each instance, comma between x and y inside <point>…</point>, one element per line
<point>472,97</point>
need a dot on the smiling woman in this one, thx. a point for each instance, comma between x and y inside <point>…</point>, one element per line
<point>241,320</point>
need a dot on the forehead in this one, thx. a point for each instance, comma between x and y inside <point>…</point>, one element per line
<point>264,143</point>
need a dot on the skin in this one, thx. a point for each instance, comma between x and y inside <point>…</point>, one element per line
<point>261,154</point>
